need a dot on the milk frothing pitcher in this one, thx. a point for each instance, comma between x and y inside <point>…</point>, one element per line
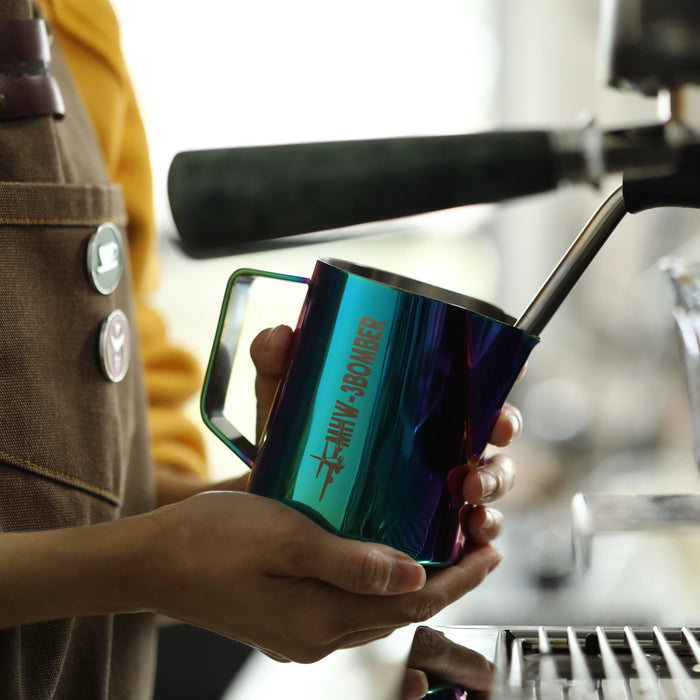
<point>392,385</point>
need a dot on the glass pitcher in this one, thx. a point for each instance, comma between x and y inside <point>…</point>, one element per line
<point>685,279</point>
<point>594,514</point>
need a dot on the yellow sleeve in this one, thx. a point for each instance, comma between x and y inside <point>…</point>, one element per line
<point>172,377</point>
<point>89,34</point>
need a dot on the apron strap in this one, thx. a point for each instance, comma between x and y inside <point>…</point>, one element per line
<point>27,84</point>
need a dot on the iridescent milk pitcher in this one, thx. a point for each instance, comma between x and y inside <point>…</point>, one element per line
<point>392,385</point>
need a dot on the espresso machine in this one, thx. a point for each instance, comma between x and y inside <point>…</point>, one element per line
<point>230,198</point>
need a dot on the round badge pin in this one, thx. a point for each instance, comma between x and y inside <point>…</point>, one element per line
<point>105,258</point>
<point>115,346</point>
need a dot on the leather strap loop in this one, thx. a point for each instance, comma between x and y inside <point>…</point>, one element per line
<point>27,84</point>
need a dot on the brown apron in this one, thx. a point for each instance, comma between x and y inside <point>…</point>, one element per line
<point>73,444</point>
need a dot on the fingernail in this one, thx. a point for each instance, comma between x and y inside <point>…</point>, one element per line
<point>516,424</point>
<point>489,486</point>
<point>422,685</point>
<point>489,529</point>
<point>406,576</point>
<point>425,685</point>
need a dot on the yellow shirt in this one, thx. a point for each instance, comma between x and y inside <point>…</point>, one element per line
<point>88,32</point>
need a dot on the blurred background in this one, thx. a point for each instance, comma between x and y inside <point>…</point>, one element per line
<point>603,399</point>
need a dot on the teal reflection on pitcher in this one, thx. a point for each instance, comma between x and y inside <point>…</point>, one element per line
<point>392,384</point>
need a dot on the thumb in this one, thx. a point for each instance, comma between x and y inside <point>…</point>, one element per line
<point>366,568</point>
<point>269,352</point>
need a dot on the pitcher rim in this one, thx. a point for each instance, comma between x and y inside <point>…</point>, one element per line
<point>424,289</point>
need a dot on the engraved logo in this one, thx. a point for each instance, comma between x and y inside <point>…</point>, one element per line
<point>343,419</point>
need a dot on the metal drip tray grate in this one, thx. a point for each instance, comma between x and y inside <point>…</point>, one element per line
<point>595,663</point>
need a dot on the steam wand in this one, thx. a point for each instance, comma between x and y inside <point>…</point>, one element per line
<point>679,189</point>
<point>573,264</point>
<point>594,514</point>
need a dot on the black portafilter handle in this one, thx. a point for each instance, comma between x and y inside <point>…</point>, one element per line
<point>222,198</point>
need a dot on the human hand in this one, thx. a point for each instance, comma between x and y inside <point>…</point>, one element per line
<point>263,573</point>
<point>269,351</point>
<point>434,660</point>
<point>480,483</point>
<point>254,569</point>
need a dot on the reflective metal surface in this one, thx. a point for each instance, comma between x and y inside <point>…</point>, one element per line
<point>387,393</point>
<point>573,264</point>
<point>547,663</point>
<point>595,514</point>
<point>684,276</point>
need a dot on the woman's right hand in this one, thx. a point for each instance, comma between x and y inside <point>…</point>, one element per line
<point>258,571</point>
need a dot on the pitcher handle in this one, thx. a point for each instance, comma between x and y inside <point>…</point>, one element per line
<point>223,354</point>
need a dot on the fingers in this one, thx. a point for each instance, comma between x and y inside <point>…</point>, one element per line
<point>269,351</point>
<point>289,587</point>
<point>415,685</point>
<point>507,427</point>
<point>351,620</point>
<point>360,567</point>
<point>480,524</point>
<point>380,574</point>
<point>443,587</point>
<point>489,481</point>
